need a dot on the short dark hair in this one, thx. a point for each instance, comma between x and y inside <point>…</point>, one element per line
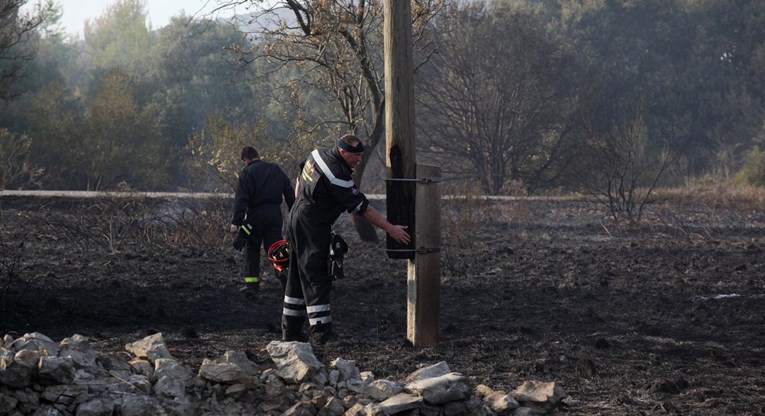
<point>249,153</point>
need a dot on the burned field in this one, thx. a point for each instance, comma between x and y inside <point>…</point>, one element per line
<point>667,319</point>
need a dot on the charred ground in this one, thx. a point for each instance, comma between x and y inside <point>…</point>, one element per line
<point>668,319</point>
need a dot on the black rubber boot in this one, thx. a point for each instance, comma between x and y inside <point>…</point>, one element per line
<point>321,334</point>
<point>292,329</point>
<point>250,290</point>
<point>324,342</point>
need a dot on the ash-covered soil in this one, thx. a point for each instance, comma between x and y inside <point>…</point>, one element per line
<point>666,319</point>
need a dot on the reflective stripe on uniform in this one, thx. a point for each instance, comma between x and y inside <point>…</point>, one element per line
<point>293,312</point>
<point>246,228</point>
<point>328,173</point>
<point>318,308</point>
<point>294,301</point>
<point>253,279</point>
<point>319,320</point>
<point>305,173</point>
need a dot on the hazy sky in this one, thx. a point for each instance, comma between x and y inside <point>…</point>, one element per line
<point>160,11</point>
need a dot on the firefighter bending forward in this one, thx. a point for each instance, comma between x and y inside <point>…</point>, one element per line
<point>324,190</point>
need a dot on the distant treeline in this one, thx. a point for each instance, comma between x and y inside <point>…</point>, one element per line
<point>513,96</point>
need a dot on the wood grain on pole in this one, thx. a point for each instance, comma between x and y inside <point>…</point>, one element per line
<point>399,122</point>
<point>399,84</point>
<point>424,273</point>
<point>409,202</point>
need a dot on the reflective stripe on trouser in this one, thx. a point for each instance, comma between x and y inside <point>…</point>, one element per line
<point>252,280</point>
<point>294,307</point>
<point>308,278</point>
<point>319,314</point>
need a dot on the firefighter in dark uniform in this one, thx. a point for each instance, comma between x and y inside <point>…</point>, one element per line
<point>324,190</point>
<point>257,206</point>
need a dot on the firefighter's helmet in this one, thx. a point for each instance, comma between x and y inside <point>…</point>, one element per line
<point>279,254</point>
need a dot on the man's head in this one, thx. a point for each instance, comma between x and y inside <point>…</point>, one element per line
<point>351,149</point>
<point>249,154</point>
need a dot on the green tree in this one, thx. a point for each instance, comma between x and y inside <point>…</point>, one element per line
<point>119,38</point>
<point>55,119</point>
<point>729,65</point>
<point>101,142</point>
<point>693,61</point>
<point>123,138</point>
<point>192,78</point>
<point>752,171</point>
<point>46,67</point>
<point>17,30</point>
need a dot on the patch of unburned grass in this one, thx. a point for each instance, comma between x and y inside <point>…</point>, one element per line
<point>722,196</point>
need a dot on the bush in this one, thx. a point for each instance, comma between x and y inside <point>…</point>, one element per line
<point>752,172</point>
<point>16,172</point>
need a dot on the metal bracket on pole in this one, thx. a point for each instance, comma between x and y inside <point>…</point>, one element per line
<point>418,180</point>
<point>418,250</point>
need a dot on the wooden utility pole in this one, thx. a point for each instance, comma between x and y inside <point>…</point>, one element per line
<point>411,200</point>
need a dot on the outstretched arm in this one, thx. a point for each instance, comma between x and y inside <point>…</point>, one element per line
<point>397,232</point>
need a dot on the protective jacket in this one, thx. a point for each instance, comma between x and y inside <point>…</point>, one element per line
<point>261,186</point>
<point>325,190</point>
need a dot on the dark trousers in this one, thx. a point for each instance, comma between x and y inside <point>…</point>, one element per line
<point>267,229</point>
<point>307,293</point>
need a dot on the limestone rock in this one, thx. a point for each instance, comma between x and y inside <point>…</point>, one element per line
<point>82,382</point>
<point>294,361</point>
<point>152,347</point>
<point>442,389</point>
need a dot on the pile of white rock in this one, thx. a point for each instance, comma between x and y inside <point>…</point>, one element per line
<point>43,378</point>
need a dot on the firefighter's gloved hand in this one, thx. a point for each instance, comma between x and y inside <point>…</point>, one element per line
<point>337,246</point>
<point>245,231</point>
<point>337,249</point>
<point>336,267</point>
<point>239,242</point>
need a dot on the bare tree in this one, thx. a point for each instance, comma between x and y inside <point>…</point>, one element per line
<point>336,47</point>
<point>10,265</point>
<point>492,100</point>
<point>215,164</point>
<point>623,171</point>
<point>16,30</point>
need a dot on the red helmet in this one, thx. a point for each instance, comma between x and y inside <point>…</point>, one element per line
<point>279,254</point>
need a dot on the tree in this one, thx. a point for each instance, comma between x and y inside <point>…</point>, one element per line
<point>624,171</point>
<point>215,151</point>
<point>729,63</point>
<point>16,171</point>
<point>16,31</point>
<point>494,105</point>
<point>337,46</point>
<point>100,142</point>
<point>192,78</point>
<point>752,172</point>
<point>119,38</point>
<point>55,125</point>
<point>52,61</point>
<point>123,138</point>
<point>691,61</point>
